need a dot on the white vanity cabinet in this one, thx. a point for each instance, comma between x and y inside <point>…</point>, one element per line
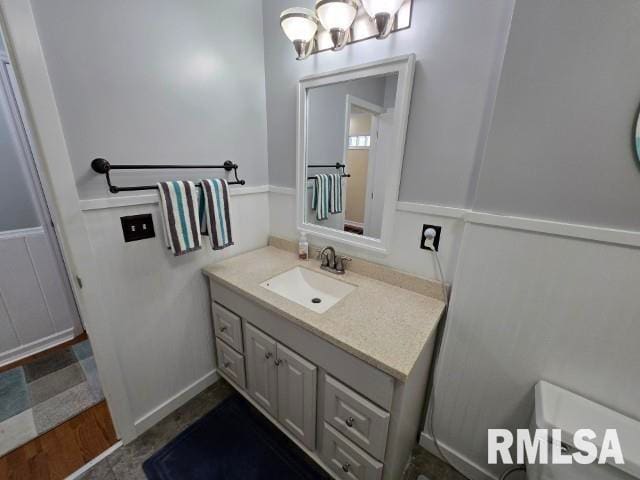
<point>283,383</point>
<point>353,419</point>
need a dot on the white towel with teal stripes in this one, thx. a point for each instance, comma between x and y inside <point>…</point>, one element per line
<point>215,218</point>
<point>180,216</point>
<point>327,195</point>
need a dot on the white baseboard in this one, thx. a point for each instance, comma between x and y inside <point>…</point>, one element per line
<point>154,416</point>
<point>88,466</point>
<point>459,462</point>
<point>38,346</point>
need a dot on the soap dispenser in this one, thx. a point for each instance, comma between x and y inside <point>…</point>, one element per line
<point>303,247</point>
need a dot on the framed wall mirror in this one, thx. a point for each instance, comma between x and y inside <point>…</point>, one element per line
<point>350,145</point>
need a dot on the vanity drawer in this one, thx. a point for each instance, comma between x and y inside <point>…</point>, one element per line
<point>231,363</point>
<point>346,460</point>
<point>355,417</point>
<point>227,326</point>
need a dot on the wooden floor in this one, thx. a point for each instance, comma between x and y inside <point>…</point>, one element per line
<point>63,450</point>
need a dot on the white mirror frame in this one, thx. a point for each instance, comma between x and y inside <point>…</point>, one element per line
<point>404,66</point>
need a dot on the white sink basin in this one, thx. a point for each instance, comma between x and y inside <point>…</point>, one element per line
<point>310,289</point>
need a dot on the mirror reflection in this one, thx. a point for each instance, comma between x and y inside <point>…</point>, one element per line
<point>349,137</point>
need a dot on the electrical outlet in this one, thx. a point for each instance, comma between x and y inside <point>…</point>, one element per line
<point>137,227</point>
<point>436,241</point>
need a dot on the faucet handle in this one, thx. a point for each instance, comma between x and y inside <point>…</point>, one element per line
<point>340,261</point>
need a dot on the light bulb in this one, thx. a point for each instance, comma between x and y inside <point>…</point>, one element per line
<point>382,12</point>
<point>381,6</point>
<point>300,26</point>
<point>336,17</point>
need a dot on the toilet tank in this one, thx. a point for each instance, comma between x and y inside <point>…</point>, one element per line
<point>556,408</point>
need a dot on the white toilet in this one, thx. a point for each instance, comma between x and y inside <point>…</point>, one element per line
<point>556,408</point>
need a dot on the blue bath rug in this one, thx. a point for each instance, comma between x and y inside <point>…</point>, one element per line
<point>232,442</point>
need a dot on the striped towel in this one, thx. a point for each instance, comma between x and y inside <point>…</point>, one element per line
<point>215,218</point>
<point>320,196</point>
<point>335,193</point>
<point>179,211</point>
<point>327,195</point>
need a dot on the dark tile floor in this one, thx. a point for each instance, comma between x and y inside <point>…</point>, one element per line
<point>126,462</point>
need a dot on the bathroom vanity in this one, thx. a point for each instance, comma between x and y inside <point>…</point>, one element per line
<point>347,385</point>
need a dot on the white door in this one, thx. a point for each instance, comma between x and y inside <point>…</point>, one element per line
<point>37,308</point>
<point>376,182</point>
<point>262,374</point>
<point>297,383</point>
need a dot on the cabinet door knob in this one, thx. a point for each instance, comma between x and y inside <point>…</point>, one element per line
<point>277,361</point>
<point>346,467</point>
<point>223,329</point>
<point>226,364</point>
<point>268,355</point>
<point>349,421</point>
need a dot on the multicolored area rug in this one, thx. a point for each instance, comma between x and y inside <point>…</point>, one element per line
<point>45,392</point>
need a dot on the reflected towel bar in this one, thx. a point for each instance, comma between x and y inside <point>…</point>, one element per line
<point>100,165</point>
<point>336,165</point>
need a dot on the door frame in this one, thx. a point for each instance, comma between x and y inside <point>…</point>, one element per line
<point>13,107</point>
<point>375,110</point>
<point>24,49</point>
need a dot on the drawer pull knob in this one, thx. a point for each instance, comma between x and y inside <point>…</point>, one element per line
<point>346,467</point>
<point>223,329</point>
<point>226,364</point>
<point>277,361</point>
<point>268,355</point>
<point>349,421</point>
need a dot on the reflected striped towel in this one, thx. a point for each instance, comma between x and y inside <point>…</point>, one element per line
<point>327,195</point>
<point>335,193</point>
<point>216,220</point>
<point>320,198</point>
<point>179,211</point>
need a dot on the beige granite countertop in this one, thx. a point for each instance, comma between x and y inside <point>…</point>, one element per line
<point>382,324</point>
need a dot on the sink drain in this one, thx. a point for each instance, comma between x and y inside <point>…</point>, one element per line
<point>316,300</point>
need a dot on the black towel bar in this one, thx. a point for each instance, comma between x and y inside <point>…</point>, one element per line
<point>100,165</point>
<point>337,166</point>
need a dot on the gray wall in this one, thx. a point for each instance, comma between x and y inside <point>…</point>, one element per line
<point>557,309</point>
<point>459,46</point>
<point>17,209</point>
<point>157,81</point>
<point>326,118</point>
<point>561,141</point>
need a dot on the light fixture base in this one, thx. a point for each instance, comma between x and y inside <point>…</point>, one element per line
<point>339,38</point>
<point>303,49</point>
<point>384,24</point>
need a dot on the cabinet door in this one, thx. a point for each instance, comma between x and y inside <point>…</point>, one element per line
<point>297,381</point>
<point>262,380</point>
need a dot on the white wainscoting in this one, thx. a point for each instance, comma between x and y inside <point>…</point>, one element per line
<point>530,306</point>
<point>158,305</point>
<point>35,313</point>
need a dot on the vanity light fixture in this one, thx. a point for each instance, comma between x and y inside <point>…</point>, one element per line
<point>336,17</point>
<point>300,26</point>
<point>336,23</point>
<point>382,12</point>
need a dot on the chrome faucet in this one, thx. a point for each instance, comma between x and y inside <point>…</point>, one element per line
<point>331,262</point>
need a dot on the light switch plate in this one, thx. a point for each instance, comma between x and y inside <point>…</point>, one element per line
<point>137,227</point>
